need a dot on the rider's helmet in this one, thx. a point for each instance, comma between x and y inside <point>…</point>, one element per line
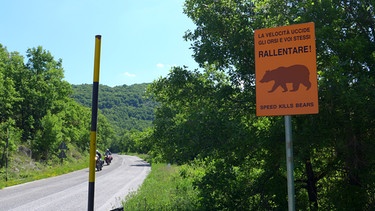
<point>107,150</point>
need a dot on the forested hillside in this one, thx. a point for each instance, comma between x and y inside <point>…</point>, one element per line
<point>126,107</point>
<point>37,112</point>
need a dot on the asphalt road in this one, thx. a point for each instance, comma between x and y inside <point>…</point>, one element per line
<point>70,191</point>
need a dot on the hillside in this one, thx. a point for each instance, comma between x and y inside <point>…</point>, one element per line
<point>125,106</point>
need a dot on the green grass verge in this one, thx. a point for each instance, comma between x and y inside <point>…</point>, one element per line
<point>165,188</point>
<point>23,169</point>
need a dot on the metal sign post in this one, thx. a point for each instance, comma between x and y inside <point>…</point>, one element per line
<point>286,80</point>
<point>7,154</point>
<point>94,118</point>
<point>289,162</point>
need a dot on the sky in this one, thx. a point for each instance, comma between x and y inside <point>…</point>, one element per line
<point>141,39</point>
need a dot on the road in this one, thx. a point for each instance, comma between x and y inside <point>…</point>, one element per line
<point>70,191</point>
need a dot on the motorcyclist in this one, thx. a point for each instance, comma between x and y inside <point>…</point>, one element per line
<point>99,161</point>
<point>99,154</point>
<point>108,154</point>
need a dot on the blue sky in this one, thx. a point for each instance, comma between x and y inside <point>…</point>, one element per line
<point>141,39</point>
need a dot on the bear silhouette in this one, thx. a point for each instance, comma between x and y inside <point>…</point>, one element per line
<point>295,74</point>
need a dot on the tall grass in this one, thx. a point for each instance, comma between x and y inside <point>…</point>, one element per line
<point>23,169</point>
<point>165,188</point>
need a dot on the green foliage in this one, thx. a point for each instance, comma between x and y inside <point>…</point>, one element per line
<point>41,87</point>
<point>195,116</point>
<point>167,187</point>
<point>210,118</point>
<point>134,141</point>
<point>23,169</point>
<point>37,112</point>
<point>9,139</point>
<point>76,125</point>
<point>126,107</point>
<point>222,36</point>
<point>128,111</point>
<point>249,186</point>
<point>48,139</point>
<point>105,133</point>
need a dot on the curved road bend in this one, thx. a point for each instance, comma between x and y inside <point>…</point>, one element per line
<point>70,191</point>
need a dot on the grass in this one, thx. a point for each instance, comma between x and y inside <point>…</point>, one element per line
<point>23,169</point>
<point>164,189</point>
<point>167,187</point>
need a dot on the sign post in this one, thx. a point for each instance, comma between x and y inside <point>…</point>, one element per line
<point>289,162</point>
<point>286,80</point>
<point>285,68</point>
<point>62,154</point>
<point>94,122</point>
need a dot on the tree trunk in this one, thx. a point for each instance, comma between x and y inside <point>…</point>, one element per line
<point>311,185</point>
<point>354,161</point>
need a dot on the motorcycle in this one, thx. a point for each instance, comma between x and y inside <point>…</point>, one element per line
<point>108,159</point>
<point>98,163</point>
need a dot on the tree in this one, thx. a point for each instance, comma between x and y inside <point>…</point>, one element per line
<point>76,124</point>
<point>333,159</point>
<point>202,117</point>
<point>8,95</point>
<point>223,36</point>
<point>41,84</point>
<point>36,110</point>
<point>105,132</point>
<point>192,118</point>
<point>48,139</point>
<point>9,139</point>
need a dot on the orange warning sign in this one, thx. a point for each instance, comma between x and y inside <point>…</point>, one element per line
<point>285,69</point>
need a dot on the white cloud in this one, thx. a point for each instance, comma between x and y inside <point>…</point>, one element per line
<point>127,74</point>
<point>160,65</point>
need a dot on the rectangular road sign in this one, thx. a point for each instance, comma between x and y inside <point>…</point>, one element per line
<point>285,69</point>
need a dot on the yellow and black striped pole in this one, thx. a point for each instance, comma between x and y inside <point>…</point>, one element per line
<point>94,118</point>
